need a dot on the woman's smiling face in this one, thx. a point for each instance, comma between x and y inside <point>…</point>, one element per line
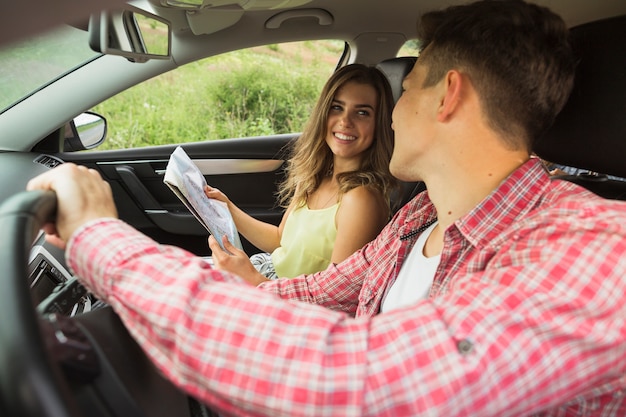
<point>352,121</point>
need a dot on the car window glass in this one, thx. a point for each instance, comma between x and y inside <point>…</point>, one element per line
<point>410,48</point>
<point>259,91</point>
<point>559,169</point>
<point>31,64</point>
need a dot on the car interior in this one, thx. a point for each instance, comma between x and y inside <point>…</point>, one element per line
<point>395,69</point>
<point>590,131</point>
<point>74,364</point>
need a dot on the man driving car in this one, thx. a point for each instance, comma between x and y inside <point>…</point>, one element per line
<point>496,292</point>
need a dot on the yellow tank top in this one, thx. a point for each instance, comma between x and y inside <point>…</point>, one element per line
<point>307,242</point>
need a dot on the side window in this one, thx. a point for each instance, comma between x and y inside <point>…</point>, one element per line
<point>559,169</point>
<point>259,91</point>
<point>410,48</point>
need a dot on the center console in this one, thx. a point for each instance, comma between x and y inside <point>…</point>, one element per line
<point>53,287</point>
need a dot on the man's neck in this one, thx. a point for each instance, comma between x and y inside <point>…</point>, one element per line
<point>455,192</point>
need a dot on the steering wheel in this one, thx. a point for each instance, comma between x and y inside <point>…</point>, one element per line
<point>29,383</point>
<point>34,376</point>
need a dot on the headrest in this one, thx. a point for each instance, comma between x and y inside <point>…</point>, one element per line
<point>395,69</point>
<point>590,131</point>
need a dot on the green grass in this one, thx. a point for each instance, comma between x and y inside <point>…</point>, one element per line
<point>31,63</point>
<point>260,91</point>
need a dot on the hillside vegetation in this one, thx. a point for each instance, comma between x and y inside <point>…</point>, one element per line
<point>260,91</point>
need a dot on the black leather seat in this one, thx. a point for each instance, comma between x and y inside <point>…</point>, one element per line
<point>396,69</point>
<point>590,132</point>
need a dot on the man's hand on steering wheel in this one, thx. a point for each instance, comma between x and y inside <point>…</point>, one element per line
<point>82,196</point>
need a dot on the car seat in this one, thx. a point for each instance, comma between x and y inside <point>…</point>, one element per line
<point>590,131</point>
<point>395,70</point>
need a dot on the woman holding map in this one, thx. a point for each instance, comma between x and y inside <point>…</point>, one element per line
<point>338,185</point>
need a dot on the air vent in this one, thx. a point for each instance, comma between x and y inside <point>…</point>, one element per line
<point>48,161</point>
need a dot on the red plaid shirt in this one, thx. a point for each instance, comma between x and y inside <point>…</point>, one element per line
<point>526,315</point>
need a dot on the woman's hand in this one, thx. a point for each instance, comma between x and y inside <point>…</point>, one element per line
<point>216,194</point>
<point>234,260</point>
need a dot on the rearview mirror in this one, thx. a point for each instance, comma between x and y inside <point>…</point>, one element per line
<point>135,34</point>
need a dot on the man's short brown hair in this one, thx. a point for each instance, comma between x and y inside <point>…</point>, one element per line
<point>517,55</point>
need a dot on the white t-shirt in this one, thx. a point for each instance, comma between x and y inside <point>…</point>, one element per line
<point>415,277</point>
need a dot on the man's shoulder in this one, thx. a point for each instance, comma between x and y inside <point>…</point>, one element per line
<point>569,204</point>
<point>563,194</point>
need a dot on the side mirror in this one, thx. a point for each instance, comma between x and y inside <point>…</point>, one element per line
<point>86,131</point>
<point>135,34</point>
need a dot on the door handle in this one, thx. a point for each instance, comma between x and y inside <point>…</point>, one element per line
<point>137,189</point>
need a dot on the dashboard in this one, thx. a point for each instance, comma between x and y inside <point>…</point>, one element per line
<point>103,367</point>
<point>53,287</point>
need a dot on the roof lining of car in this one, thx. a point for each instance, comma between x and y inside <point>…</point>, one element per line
<point>199,5</point>
<point>323,17</point>
<point>212,25</point>
<point>210,16</point>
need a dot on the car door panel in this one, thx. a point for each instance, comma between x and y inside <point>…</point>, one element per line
<point>247,170</point>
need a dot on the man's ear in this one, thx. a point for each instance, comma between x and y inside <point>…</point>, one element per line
<point>451,89</point>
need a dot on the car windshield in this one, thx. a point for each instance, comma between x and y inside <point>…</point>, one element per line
<point>31,64</point>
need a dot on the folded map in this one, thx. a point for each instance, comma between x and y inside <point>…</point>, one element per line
<point>184,178</point>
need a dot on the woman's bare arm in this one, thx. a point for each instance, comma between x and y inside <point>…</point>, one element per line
<point>361,216</point>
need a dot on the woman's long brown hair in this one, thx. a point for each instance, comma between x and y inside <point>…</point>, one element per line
<point>312,159</point>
